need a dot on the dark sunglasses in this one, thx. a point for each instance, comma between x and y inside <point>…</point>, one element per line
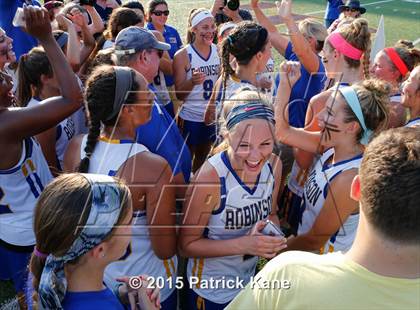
<point>159,13</point>
<point>351,10</point>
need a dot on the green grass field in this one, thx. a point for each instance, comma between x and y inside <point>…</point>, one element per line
<point>402,18</point>
<point>402,21</point>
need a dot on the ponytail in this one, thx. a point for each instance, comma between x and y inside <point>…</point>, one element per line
<point>99,96</point>
<point>30,69</point>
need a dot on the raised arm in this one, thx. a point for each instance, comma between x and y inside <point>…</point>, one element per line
<point>278,40</point>
<point>316,105</point>
<point>202,198</point>
<point>73,43</point>
<point>301,47</point>
<point>97,24</point>
<point>295,137</point>
<point>87,37</point>
<point>17,124</point>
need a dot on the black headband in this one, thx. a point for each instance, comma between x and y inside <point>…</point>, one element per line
<point>251,51</point>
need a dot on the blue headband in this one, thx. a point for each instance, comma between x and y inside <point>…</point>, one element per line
<point>104,214</point>
<point>252,110</point>
<point>350,96</point>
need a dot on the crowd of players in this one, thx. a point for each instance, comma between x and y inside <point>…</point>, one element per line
<point>128,152</point>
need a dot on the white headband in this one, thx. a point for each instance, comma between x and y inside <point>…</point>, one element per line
<point>199,17</point>
<point>226,26</point>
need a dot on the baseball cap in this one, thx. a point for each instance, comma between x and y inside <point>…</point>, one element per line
<point>133,39</point>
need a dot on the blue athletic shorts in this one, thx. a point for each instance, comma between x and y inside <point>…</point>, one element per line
<point>196,133</point>
<point>290,204</point>
<point>196,302</point>
<point>14,264</point>
<point>170,302</point>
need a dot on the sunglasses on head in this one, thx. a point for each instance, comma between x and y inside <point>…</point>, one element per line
<point>351,10</point>
<point>159,13</point>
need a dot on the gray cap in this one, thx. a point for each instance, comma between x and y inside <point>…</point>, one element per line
<point>133,39</point>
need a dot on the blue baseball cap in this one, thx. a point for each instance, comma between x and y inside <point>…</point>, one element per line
<point>133,39</point>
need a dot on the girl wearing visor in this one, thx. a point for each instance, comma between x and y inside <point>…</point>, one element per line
<point>328,217</point>
<point>196,69</point>
<point>70,256</point>
<point>228,200</point>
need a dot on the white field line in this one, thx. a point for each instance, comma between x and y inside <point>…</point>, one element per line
<point>308,13</point>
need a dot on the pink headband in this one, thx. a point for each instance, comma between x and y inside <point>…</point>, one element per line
<point>396,60</point>
<point>344,47</point>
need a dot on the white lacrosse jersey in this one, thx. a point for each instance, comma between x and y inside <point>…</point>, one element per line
<point>233,86</point>
<point>413,123</point>
<point>20,187</point>
<point>140,259</point>
<point>65,131</point>
<point>108,157</point>
<point>314,195</point>
<point>195,104</point>
<point>239,209</point>
<point>161,90</point>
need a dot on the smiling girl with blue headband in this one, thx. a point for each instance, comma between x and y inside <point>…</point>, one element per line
<point>227,202</point>
<point>328,217</point>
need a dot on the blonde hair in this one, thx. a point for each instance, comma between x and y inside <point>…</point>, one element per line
<point>357,34</point>
<point>313,28</point>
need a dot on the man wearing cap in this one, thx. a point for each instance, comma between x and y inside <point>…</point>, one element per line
<point>352,8</point>
<point>139,49</point>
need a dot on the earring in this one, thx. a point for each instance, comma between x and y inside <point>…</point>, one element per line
<point>103,255</point>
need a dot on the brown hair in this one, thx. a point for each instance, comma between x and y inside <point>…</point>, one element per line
<point>120,19</point>
<point>390,183</point>
<point>31,67</point>
<point>373,96</point>
<point>241,43</point>
<point>151,5</point>
<point>59,214</point>
<point>408,54</point>
<point>99,96</point>
<point>357,34</point>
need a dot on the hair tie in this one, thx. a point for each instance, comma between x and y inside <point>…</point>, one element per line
<point>104,213</point>
<point>396,60</point>
<point>251,110</point>
<point>344,47</point>
<point>352,100</point>
<point>39,254</point>
<point>123,84</point>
